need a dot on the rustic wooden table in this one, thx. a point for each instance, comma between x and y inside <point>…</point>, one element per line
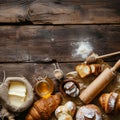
<point>36,33</point>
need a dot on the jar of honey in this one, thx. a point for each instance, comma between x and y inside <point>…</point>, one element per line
<point>44,87</point>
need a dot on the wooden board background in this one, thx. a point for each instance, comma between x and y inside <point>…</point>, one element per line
<point>36,33</point>
<point>60,11</point>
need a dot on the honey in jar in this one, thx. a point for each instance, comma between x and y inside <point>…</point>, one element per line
<point>44,87</point>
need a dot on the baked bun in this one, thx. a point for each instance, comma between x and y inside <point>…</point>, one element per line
<point>89,112</point>
<point>110,102</point>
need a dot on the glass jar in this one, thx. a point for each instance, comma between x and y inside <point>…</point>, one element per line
<point>44,87</point>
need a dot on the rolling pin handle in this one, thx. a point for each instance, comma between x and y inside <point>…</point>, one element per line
<point>116,66</point>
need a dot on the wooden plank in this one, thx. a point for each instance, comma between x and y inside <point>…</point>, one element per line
<point>61,43</point>
<point>60,12</point>
<point>77,42</point>
<point>29,69</point>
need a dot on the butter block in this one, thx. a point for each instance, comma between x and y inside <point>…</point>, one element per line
<point>17,93</point>
<point>17,88</point>
<point>16,100</point>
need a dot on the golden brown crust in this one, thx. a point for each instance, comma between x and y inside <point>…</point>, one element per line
<point>85,70</point>
<point>95,68</point>
<point>109,102</point>
<point>43,108</point>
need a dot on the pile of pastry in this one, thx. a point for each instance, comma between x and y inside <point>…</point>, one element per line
<point>70,88</point>
<point>50,103</point>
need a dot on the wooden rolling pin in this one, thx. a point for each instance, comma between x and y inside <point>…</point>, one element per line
<point>92,59</point>
<point>99,84</point>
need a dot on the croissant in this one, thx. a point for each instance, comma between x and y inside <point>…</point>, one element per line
<point>89,112</point>
<point>43,108</point>
<point>110,102</point>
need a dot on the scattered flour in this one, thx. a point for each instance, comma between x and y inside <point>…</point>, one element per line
<point>83,49</point>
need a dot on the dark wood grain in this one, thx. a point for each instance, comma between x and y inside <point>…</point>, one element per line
<point>60,11</point>
<point>29,69</point>
<point>61,43</point>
